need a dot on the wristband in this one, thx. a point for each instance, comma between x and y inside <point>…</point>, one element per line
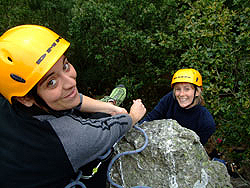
<point>78,107</point>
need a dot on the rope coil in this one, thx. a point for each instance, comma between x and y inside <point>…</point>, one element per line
<point>127,153</point>
<point>77,181</point>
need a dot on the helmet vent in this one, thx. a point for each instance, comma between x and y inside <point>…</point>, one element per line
<point>10,59</point>
<point>17,78</point>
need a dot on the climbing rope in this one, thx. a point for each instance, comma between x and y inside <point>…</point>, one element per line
<point>127,153</point>
<point>77,181</point>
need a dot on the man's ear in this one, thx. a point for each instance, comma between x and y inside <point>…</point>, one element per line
<point>27,101</point>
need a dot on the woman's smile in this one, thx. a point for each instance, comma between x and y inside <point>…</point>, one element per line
<point>72,94</point>
<point>58,88</point>
<point>184,93</point>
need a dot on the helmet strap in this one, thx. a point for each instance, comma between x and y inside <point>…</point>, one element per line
<point>195,89</point>
<point>43,104</point>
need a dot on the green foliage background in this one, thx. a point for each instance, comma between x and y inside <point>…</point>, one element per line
<point>141,43</point>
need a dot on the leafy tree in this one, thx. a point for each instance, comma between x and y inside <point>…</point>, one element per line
<point>141,43</point>
<point>49,13</point>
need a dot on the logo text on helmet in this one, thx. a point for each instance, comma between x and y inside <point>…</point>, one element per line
<point>182,77</point>
<point>48,50</point>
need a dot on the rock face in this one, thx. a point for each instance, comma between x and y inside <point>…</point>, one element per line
<point>173,158</point>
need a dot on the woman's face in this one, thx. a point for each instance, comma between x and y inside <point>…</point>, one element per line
<point>184,93</point>
<point>58,86</point>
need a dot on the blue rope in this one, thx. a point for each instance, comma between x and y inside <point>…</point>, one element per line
<point>127,153</point>
<point>76,182</point>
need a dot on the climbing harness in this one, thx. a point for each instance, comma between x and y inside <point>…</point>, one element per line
<point>127,153</point>
<point>94,171</point>
<point>80,175</point>
<point>102,158</point>
<point>76,182</point>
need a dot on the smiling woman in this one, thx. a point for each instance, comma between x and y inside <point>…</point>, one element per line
<point>185,94</point>
<point>48,129</point>
<point>184,104</point>
<point>58,86</point>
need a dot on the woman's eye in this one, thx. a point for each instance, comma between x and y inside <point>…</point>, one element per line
<point>66,66</point>
<point>52,83</point>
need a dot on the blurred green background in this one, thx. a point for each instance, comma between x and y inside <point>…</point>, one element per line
<point>141,43</point>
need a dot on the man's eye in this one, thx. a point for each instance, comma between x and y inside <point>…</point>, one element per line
<point>66,66</point>
<point>52,83</point>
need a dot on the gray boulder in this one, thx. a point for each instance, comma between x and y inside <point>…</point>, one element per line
<point>173,158</point>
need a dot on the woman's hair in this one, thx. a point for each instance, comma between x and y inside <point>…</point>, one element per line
<point>199,99</point>
<point>41,106</point>
<point>29,94</point>
<point>33,94</point>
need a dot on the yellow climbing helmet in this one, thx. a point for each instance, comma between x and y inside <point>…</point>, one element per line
<point>187,75</point>
<point>27,52</point>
